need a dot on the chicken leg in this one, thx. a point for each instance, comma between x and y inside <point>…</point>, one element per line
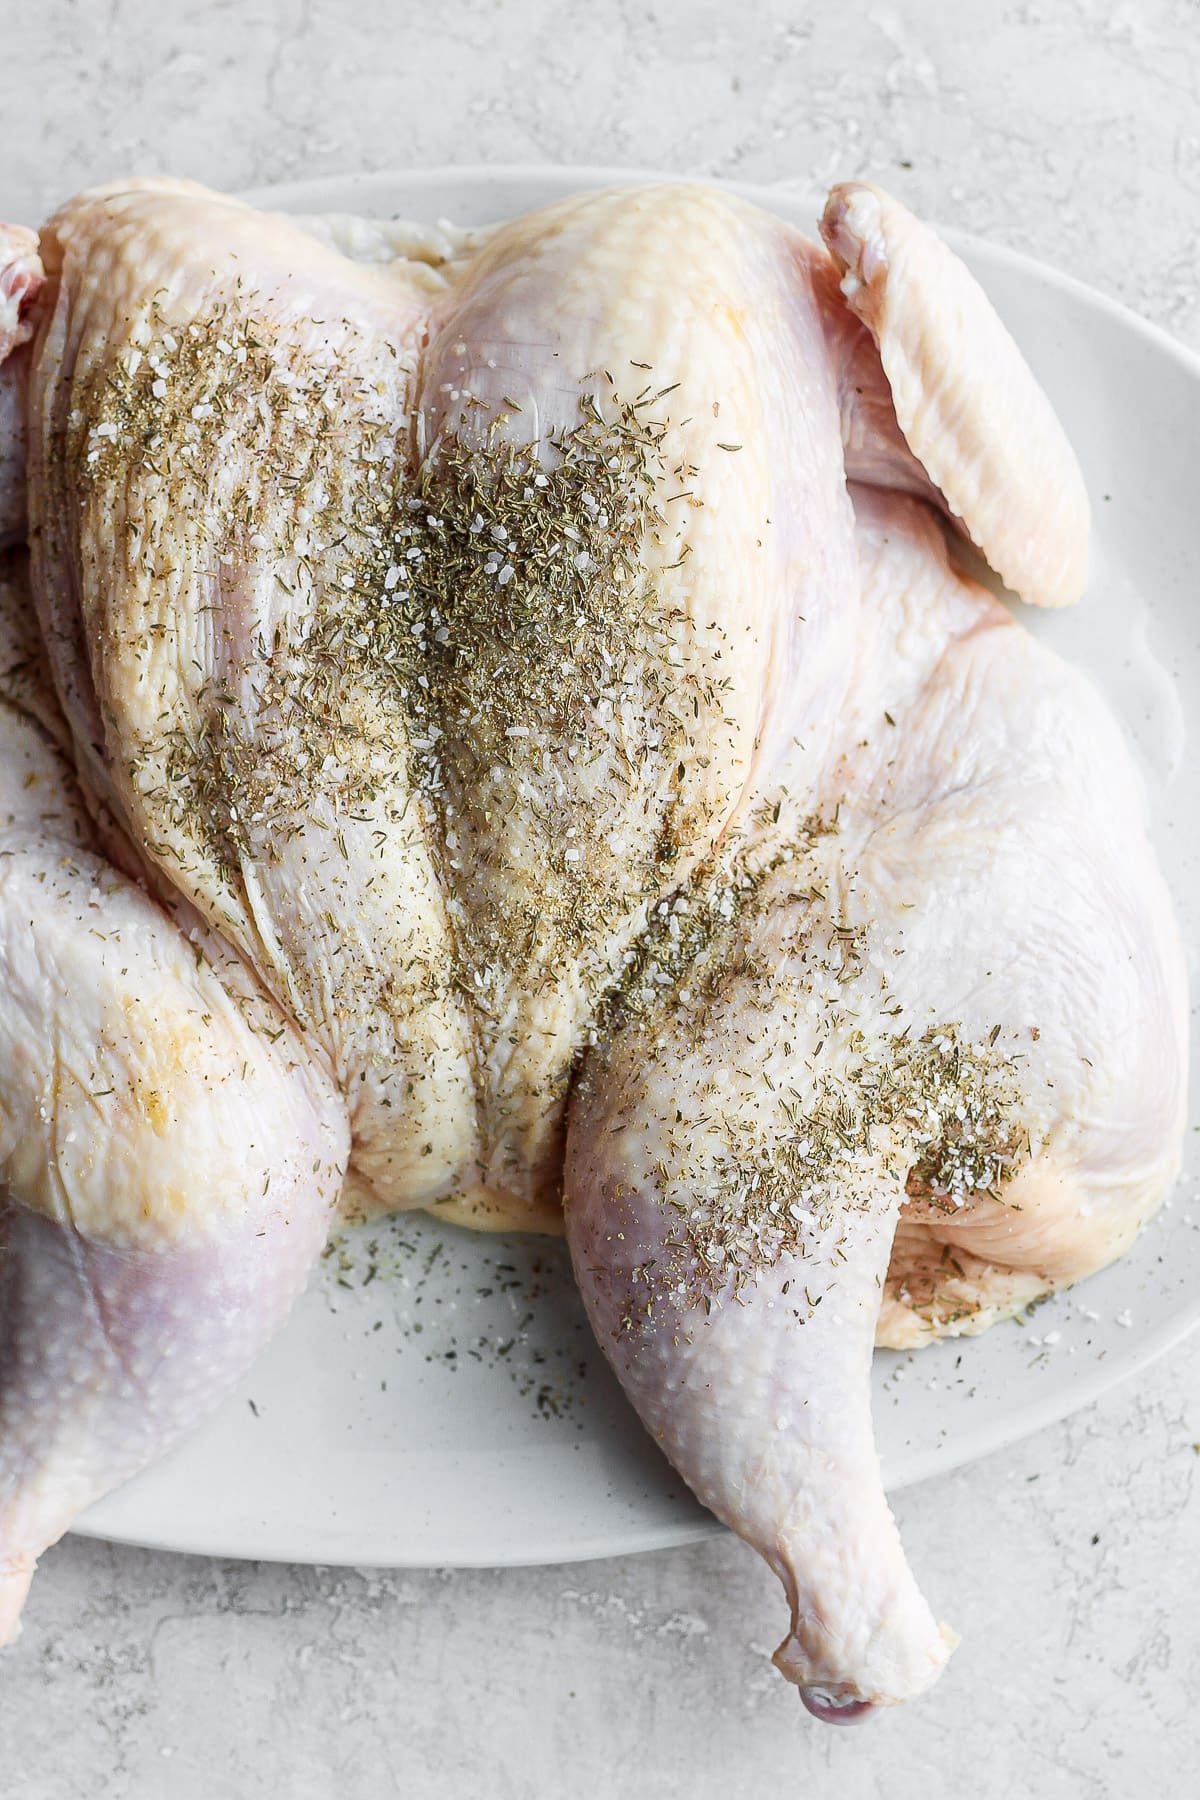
<point>731,1249</point>
<point>170,1150</point>
<point>960,998</point>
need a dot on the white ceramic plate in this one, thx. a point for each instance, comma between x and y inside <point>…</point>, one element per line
<point>449,1408</point>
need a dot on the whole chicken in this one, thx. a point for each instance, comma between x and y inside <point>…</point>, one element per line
<point>507,734</point>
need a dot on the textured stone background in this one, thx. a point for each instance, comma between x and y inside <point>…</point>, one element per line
<point>1070,128</point>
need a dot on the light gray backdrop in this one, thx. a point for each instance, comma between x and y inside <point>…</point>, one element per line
<point>1069,128</point>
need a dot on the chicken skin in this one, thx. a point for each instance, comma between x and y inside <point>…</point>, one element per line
<point>524,717</point>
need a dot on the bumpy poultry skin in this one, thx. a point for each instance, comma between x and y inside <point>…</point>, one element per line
<point>574,819</point>
<point>518,631</point>
<point>966,402</point>
<point>1005,793</point>
<point>170,1150</point>
<point>963,996</point>
<point>217,412</point>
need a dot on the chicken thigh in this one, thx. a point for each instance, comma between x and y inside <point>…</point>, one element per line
<point>501,678</point>
<point>952,995</point>
<point>170,1148</point>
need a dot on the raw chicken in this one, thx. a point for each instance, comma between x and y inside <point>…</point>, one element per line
<point>20,285</point>
<point>483,660</point>
<point>172,1150</point>
<point>963,1004</point>
<point>214,711</point>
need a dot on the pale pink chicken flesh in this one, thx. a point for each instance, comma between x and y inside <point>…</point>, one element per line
<point>549,754</point>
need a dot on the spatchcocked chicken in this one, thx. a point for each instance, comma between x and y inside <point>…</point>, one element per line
<point>504,732</point>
